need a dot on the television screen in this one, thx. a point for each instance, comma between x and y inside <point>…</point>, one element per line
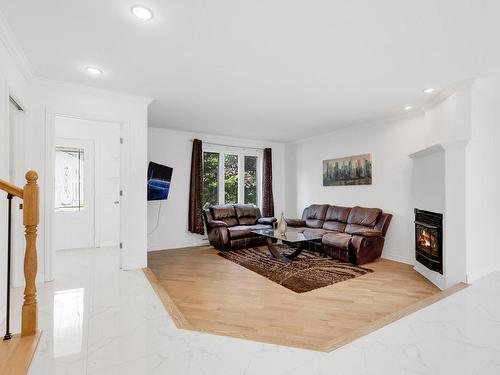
<point>159,177</point>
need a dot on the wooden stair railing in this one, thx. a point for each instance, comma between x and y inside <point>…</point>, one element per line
<point>30,196</point>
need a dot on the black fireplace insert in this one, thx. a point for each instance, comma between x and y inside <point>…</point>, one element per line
<point>429,239</point>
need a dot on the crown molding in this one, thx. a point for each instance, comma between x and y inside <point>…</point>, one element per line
<point>213,137</point>
<point>14,49</point>
<point>462,86</point>
<point>89,90</point>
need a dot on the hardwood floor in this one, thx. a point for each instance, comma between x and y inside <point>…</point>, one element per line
<point>16,354</point>
<point>205,292</point>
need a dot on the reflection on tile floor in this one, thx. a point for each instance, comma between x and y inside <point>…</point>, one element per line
<point>98,320</point>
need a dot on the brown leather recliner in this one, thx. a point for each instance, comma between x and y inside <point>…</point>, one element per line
<point>230,226</point>
<point>355,235</point>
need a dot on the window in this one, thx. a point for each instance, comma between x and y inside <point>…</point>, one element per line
<point>251,180</point>
<point>69,187</point>
<point>211,178</point>
<point>231,179</point>
<point>238,168</point>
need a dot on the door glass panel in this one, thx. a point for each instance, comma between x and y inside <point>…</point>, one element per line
<point>69,186</point>
<point>251,180</point>
<point>230,179</point>
<point>210,178</point>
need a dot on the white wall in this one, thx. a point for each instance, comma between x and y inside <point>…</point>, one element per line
<point>173,148</point>
<point>483,179</point>
<point>390,144</point>
<point>428,180</point>
<point>49,99</point>
<point>13,80</point>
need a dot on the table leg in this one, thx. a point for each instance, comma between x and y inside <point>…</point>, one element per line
<point>297,251</point>
<point>274,252</point>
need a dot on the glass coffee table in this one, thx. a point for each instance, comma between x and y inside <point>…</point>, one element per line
<point>290,237</point>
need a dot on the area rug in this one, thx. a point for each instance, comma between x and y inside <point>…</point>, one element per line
<point>309,271</point>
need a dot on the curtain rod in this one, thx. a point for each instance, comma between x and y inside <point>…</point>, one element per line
<point>221,144</point>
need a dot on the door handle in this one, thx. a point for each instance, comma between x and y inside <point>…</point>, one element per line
<point>117,202</point>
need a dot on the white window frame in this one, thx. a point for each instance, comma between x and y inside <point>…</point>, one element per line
<point>241,152</point>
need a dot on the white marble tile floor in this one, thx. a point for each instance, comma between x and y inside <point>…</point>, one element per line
<point>98,320</point>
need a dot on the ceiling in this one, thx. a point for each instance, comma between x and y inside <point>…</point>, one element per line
<point>267,69</point>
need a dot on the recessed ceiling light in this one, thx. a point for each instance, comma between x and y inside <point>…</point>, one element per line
<point>408,108</point>
<point>429,90</point>
<point>93,70</point>
<point>141,12</point>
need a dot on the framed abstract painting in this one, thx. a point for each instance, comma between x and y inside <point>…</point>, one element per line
<point>351,170</point>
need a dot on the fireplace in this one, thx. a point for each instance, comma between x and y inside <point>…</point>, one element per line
<point>429,239</point>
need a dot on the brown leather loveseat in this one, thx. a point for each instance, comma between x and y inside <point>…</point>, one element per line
<point>355,235</point>
<point>230,226</point>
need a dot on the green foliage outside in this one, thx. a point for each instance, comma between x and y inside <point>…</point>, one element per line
<point>231,179</point>
<point>211,179</point>
<point>251,179</point>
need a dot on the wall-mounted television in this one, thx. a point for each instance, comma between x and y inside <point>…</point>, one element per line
<point>159,178</point>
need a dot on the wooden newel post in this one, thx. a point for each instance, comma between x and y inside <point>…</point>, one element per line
<point>30,221</point>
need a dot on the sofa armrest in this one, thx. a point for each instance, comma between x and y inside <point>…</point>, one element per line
<point>218,236</point>
<point>367,233</point>
<point>296,222</point>
<point>383,222</point>
<point>366,249</point>
<point>267,220</point>
<point>216,224</point>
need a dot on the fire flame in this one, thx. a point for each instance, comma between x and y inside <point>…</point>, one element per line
<point>425,239</point>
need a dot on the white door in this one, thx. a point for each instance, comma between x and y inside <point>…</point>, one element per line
<point>74,193</point>
<point>98,223</point>
<point>110,186</point>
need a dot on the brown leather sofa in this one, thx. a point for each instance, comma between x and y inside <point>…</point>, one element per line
<point>355,235</point>
<point>230,226</point>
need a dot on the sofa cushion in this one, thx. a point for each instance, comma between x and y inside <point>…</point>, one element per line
<point>337,240</point>
<point>260,226</point>
<point>267,220</point>
<point>314,215</point>
<point>317,231</point>
<point>336,218</point>
<point>367,232</point>
<point>352,228</point>
<point>295,222</point>
<point>247,214</point>
<point>363,216</point>
<point>239,231</point>
<point>225,213</point>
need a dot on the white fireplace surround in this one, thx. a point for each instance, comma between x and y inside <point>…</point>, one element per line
<point>438,185</point>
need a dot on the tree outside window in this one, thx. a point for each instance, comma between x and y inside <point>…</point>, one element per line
<point>240,178</point>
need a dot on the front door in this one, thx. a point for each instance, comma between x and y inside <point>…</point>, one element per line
<point>74,194</point>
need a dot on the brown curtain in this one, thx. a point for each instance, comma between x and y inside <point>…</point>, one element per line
<point>195,224</point>
<point>267,184</point>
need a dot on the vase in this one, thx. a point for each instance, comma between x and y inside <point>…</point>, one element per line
<point>282,226</point>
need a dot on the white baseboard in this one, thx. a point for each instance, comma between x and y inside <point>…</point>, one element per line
<point>134,266</point>
<point>109,244</point>
<point>398,258</point>
<point>471,277</point>
<point>179,246</point>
